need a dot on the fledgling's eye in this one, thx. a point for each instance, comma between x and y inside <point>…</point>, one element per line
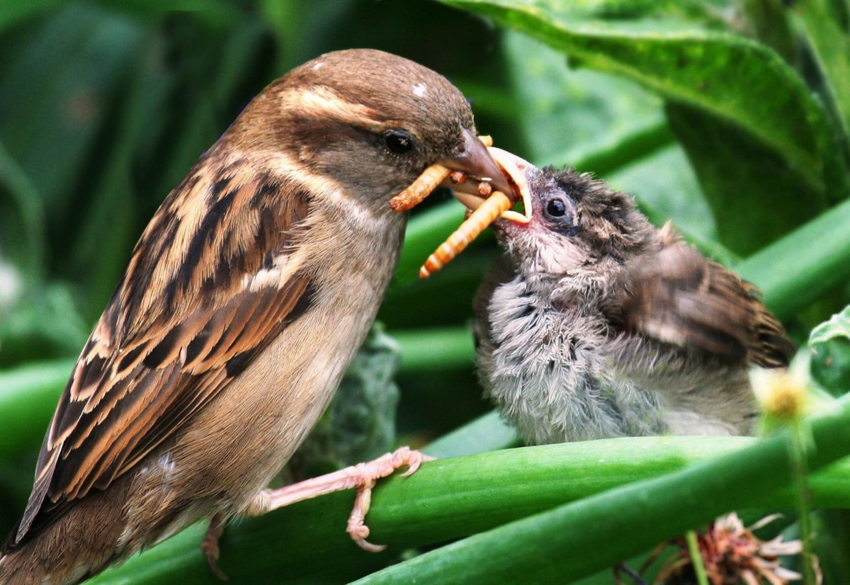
<point>556,208</point>
<point>398,141</point>
<point>559,213</point>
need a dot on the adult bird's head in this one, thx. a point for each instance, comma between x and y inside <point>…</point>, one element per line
<point>368,120</point>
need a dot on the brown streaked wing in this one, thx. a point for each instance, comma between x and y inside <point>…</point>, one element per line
<point>183,322</point>
<point>678,296</point>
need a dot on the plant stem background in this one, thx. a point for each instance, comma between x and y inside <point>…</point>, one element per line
<point>728,117</point>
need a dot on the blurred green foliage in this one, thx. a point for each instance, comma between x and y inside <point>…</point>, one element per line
<point>730,117</point>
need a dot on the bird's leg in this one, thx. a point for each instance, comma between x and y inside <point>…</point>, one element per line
<point>209,545</point>
<point>362,476</point>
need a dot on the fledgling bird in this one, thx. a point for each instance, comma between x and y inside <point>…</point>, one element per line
<point>599,325</point>
<point>243,303</point>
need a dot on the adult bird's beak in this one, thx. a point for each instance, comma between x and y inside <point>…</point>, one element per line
<point>513,170</point>
<point>475,160</point>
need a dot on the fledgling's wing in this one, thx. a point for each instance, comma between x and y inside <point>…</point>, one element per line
<point>677,296</point>
<point>217,274</point>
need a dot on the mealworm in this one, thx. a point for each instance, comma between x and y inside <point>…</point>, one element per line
<point>429,180</point>
<point>487,212</point>
<point>423,186</point>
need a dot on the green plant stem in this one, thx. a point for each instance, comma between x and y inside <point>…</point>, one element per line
<point>601,530</point>
<point>696,557</point>
<point>453,498</point>
<point>798,448</point>
<point>422,351</point>
<point>798,269</point>
<point>486,433</point>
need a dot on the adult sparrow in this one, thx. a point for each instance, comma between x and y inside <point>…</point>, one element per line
<point>597,324</point>
<point>244,301</point>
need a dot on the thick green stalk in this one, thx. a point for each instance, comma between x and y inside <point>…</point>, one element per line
<point>438,347</point>
<point>601,530</point>
<point>486,433</point>
<point>453,498</point>
<point>795,271</point>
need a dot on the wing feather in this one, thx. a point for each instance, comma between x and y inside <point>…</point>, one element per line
<point>215,277</point>
<point>677,296</point>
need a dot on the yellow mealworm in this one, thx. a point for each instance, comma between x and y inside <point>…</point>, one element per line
<point>487,212</point>
<point>420,189</point>
<point>486,140</point>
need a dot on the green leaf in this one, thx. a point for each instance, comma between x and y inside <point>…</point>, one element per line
<point>755,202</point>
<point>830,346</point>
<point>685,62</point>
<point>838,327</point>
<point>567,116</point>
<point>769,23</point>
<point>830,46</point>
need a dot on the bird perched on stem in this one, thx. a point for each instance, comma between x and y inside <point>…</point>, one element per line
<point>244,301</point>
<point>598,325</point>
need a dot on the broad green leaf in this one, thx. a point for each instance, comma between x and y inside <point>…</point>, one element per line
<point>686,62</point>
<point>754,196</point>
<point>666,189</point>
<point>567,115</point>
<point>486,433</point>
<point>768,21</point>
<point>830,46</point>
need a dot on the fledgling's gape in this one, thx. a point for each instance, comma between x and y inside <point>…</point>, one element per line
<point>597,324</point>
<point>242,305</point>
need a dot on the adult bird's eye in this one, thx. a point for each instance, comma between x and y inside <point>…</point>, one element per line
<point>398,141</point>
<point>556,208</point>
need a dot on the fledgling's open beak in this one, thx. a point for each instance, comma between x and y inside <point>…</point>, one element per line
<point>475,161</point>
<point>513,170</point>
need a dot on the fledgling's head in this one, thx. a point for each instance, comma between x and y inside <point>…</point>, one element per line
<point>366,119</point>
<point>576,224</point>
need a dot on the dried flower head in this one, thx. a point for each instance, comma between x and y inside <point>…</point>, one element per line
<point>732,554</point>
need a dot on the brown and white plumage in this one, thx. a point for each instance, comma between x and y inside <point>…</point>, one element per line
<point>678,296</point>
<point>243,303</point>
<point>599,325</point>
<point>170,340</point>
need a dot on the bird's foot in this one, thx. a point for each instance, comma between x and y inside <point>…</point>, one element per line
<point>209,545</point>
<point>362,476</point>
